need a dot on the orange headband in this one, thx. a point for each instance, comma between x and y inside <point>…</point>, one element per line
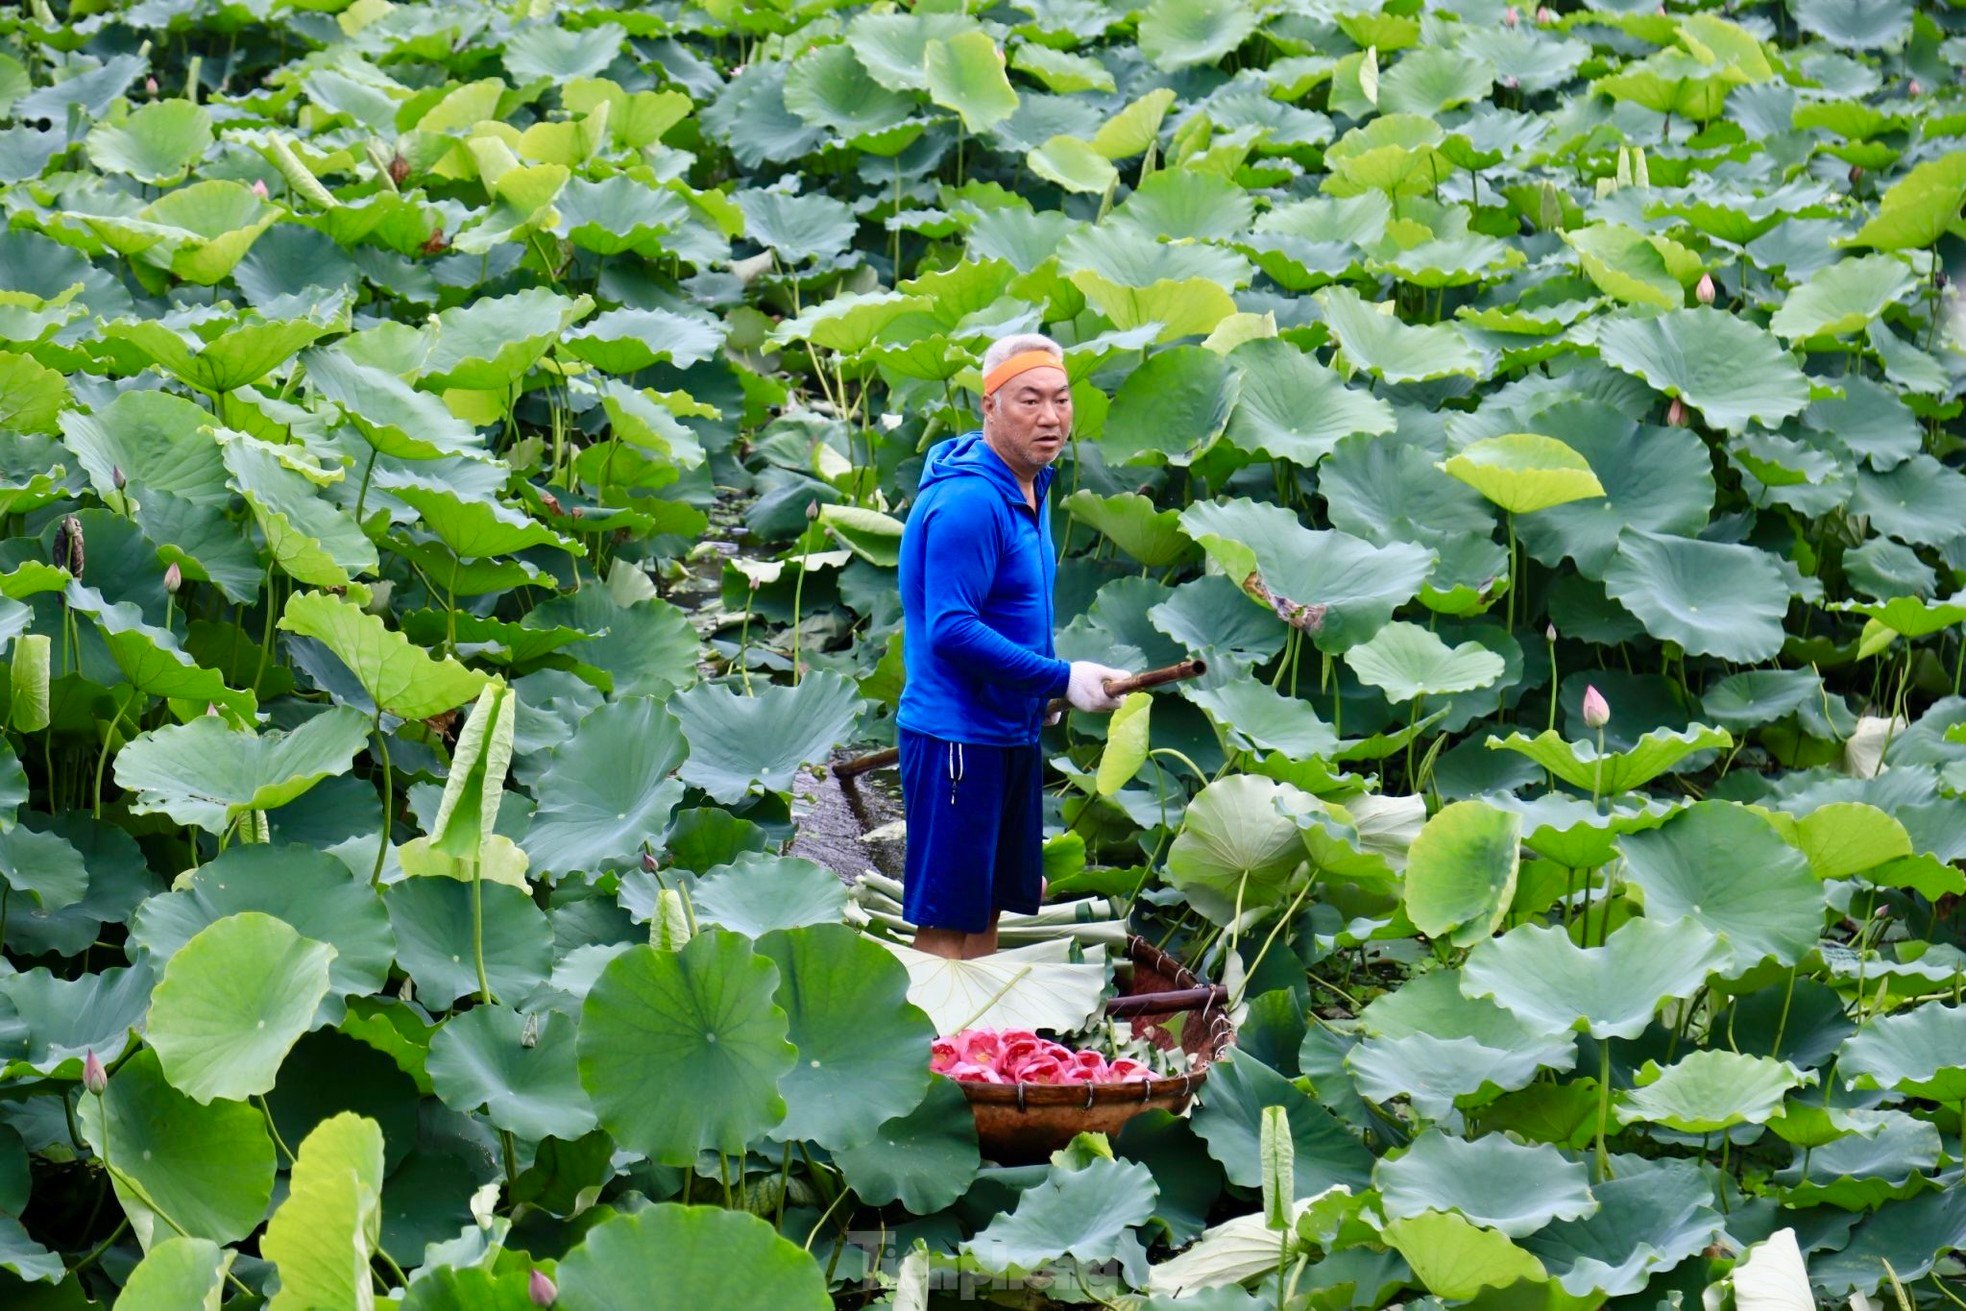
<point>1022,362</point>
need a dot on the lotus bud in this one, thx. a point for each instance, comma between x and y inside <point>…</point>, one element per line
<point>259,188</point>
<point>117,476</point>
<point>648,863</point>
<point>529,1031</point>
<point>1511,82</point>
<point>399,168</point>
<point>542,1291</point>
<point>1676,414</point>
<point>436,244</point>
<point>1510,17</point>
<point>150,86</point>
<point>68,546</point>
<point>1705,290</point>
<point>1856,174</point>
<point>94,1077</point>
<point>812,511</point>
<point>1597,711</point>
<point>1543,16</point>
<point>1914,89</point>
<point>173,578</point>
<point>1549,632</point>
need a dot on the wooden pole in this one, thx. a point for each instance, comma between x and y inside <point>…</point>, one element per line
<point>1175,673</point>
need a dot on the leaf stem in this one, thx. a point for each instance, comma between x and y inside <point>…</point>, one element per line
<point>388,798</point>
<point>1603,1106</point>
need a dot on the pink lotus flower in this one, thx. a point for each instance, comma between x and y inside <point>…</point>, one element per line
<point>1020,1056</point>
<point>1510,17</point>
<point>540,1290</point>
<point>1705,290</point>
<point>95,1079</point>
<point>1544,16</point>
<point>259,188</point>
<point>1676,414</point>
<point>1597,711</point>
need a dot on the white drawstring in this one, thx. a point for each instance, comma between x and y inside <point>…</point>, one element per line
<point>955,769</point>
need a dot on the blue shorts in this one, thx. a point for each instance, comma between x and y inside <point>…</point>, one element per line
<point>975,817</point>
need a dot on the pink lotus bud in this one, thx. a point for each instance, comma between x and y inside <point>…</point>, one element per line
<point>1676,414</point>
<point>1549,633</point>
<point>648,862</point>
<point>1914,88</point>
<point>1597,711</point>
<point>94,1077</point>
<point>1511,82</point>
<point>150,85</point>
<point>259,188</point>
<point>173,578</point>
<point>1543,15</point>
<point>1510,17</point>
<point>1705,290</point>
<point>1856,174</point>
<point>542,1291</point>
<point>118,477</point>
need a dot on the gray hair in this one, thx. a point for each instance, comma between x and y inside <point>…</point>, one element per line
<point>1016,344</point>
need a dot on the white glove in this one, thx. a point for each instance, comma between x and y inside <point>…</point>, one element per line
<point>1087,688</point>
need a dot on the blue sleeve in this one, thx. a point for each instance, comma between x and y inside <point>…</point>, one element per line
<point>963,543</point>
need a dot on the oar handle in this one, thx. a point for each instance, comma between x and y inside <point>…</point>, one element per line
<point>1116,687</point>
<point>1167,1003</point>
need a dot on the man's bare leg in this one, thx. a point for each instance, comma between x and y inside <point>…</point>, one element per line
<point>950,943</point>
<point>981,944</point>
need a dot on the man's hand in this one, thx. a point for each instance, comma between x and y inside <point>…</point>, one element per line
<point>1087,688</point>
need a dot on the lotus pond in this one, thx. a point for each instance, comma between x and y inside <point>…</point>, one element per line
<point>452,459</point>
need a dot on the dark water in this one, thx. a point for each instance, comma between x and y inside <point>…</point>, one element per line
<point>840,822</point>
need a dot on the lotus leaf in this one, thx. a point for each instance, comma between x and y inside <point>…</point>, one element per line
<point>1493,1182</point>
<point>1609,991</point>
<point>676,1258</point>
<point>321,1237</point>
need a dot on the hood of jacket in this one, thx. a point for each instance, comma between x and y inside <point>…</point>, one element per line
<point>969,456</point>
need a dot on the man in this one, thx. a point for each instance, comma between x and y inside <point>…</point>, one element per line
<point>977,570</point>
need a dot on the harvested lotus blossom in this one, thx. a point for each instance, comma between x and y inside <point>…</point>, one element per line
<point>1021,1056</point>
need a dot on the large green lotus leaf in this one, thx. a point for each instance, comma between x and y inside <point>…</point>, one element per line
<point>1878,1156</point>
<point>1708,1091</point>
<point>1175,405</point>
<point>155,441</point>
<point>1920,208</point>
<point>702,1025</point>
<point>1082,1209</point>
<point>433,922</point>
<point>1758,697</point>
<point>1844,838</point>
<point>1150,535</point>
<point>685,1258</point>
<point>1230,1121</point>
<point>1290,407</point>
<point>796,227</point>
<point>1656,480</point>
<point>755,893</point>
<point>1178,34</point>
<point>232,1002</point>
<point>607,789</point>
<point>829,88</point>
<point>640,647</point>
<point>1919,501</point>
<point>475,529</point>
<point>1734,373</point>
<point>1212,614</point>
<point>1258,718</point>
<point>965,73</point>
<point>618,213</point>
<point>206,774</point>
<point>1357,585</point>
<point>1398,352</point>
<point>869,534</point>
<point>1406,662</point>
<point>34,395</point>
<point>205,229</point>
<point>157,143</point>
<point>1456,1258</point>
<point>24,1257</point>
<point>1762,899</point>
<point>395,417</point>
<point>67,1018</point>
<point>1461,872</point>
<point>1430,79</point>
<point>561,54</point>
<point>1072,164</point>
<point>315,894</point>
<point>43,867</point>
<point>737,742</point>
<point>491,343</point>
<point>323,1235</point>
<point>1651,1215</point>
<point>1182,307</point>
<point>1909,1235</point>
<point>151,658</point>
<point>860,1041</point>
<point>208,1167</point>
<point>1855,25</point>
<point>1524,472</point>
<point>1188,205</point>
<point>1610,991</point>
<point>1061,72</point>
<point>469,1288</point>
<point>1713,598</point>
<point>1842,298</point>
<point>1635,267</point>
<point>1434,1004</point>
<point>483,1058</point>
<point>399,677</point>
<point>625,340</point>
<point>1613,772</point>
<point>178,1274</point>
<point>1512,1187</point>
<point>1397,154</point>
<point>1572,832</point>
<point>1920,1052</point>
<point>241,352</point>
<point>1237,849</point>
<point>1908,616</point>
<point>925,1160</point>
<point>1438,1074</point>
<point>311,539</point>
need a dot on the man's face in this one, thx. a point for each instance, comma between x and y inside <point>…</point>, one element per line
<point>1029,418</point>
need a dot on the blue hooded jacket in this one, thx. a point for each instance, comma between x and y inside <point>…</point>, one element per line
<point>977,572</point>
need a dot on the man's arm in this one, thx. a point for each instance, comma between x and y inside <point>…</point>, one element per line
<point>965,552</point>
